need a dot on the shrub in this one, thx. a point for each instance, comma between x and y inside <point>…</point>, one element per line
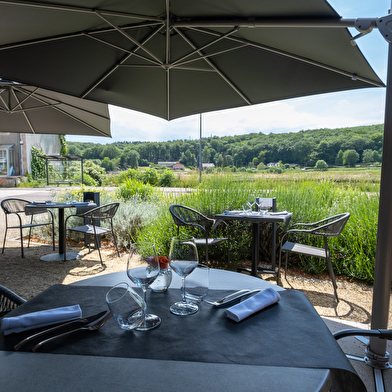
<point>96,172</point>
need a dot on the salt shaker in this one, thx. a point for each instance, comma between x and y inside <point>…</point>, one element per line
<point>164,278</point>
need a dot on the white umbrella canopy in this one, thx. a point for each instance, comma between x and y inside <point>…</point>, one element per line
<point>30,109</point>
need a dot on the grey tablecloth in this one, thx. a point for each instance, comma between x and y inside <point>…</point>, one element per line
<point>289,333</point>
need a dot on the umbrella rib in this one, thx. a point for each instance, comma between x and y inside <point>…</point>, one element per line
<point>214,67</point>
<point>26,117</point>
<point>108,73</point>
<point>167,59</point>
<point>205,46</point>
<point>28,95</point>
<point>76,118</point>
<point>36,4</point>
<point>205,56</point>
<point>127,36</point>
<point>54,106</point>
<point>296,57</point>
<point>122,49</point>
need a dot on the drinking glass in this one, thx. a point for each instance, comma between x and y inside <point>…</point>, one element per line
<point>250,204</point>
<point>127,307</point>
<point>183,259</point>
<point>262,208</point>
<point>197,284</point>
<point>142,269</point>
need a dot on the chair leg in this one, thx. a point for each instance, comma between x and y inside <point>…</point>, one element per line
<point>31,222</point>
<point>285,265</point>
<point>228,254</point>
<point>5,236</point>
<point>331,273</point>
<point>21,241</point>
<point>54,247</point>
<point>97,245</point>
<point>114,239</point>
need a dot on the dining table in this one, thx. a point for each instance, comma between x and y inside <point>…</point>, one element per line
<point>284,347</point>
<point>255,218</point>
<point>61,206</point>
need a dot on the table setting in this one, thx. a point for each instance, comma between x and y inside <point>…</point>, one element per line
<point>253,327</point>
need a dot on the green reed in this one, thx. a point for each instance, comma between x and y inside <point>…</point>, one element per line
<point>309,200</point>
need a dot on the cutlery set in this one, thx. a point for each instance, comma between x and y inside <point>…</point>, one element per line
<point>233,297</point>
<point>91,323</point>
<point>96,321</point>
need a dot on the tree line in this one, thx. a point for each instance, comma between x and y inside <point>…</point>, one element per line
<point>340,146</point>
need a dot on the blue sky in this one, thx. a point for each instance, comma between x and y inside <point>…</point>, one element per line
<point>335,110</point>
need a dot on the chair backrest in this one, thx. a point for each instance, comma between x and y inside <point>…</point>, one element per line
<point>106,211</point>
<point>185,216</point>
<point>9,300</point>
<point>10,206</point>
<point>332,226</point>
<point>266,203</point>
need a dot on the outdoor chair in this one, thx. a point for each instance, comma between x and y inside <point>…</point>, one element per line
<point>17,217</point>
<point>187,217</point>
<point>329,227</point>
<point>102,213</point>
<point>9,300</point>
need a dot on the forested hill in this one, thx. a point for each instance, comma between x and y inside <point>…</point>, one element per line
<point>304,148</point>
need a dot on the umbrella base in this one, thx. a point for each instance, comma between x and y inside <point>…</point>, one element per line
<point>60,256</point>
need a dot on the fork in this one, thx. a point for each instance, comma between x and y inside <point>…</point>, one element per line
<point>236,295</point>
<point>93,327</point>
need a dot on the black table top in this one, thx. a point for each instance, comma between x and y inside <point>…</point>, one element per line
<point>288,334</point>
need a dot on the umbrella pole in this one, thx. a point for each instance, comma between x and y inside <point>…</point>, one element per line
<point>200,159</point>
<point>376,351</point>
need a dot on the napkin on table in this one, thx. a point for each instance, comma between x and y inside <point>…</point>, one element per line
<point>278,213</point>
<point>253,304</point>
<point>233,212</point>
<point>40,319</point>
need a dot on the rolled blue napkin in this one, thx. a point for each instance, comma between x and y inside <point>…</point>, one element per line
<point>40,319</point>
<point>253,304</point>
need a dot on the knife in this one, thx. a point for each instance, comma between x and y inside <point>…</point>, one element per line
<point>77,322</point>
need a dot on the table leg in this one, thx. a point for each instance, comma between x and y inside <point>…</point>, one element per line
<point>273,250</point>
<point>61,231</point>
<point>62,243</point>
<point>255,248</point>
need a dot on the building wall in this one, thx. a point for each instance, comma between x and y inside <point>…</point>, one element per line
<point>50,144</point>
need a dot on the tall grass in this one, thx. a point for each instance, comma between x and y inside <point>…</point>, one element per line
<point>353,252</point>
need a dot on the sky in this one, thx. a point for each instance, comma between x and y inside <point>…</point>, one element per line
<point>334,110</point>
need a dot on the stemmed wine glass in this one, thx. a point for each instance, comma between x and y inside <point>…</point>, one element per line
<point>183,259</point>
<point>143,269</point>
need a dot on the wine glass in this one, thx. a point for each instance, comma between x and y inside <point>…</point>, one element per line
<point>183,259</point>
<point>197,284</point>
<point>142,269</point>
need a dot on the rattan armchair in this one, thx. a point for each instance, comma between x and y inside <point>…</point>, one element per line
<point>325,228</point>
<point>98,214</point>
<point>9,300</point>
<point>16,217</point>
<point>188,217</point>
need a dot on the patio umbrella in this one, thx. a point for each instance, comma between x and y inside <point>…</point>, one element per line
<point>29,109</point>
<point>181,57</point>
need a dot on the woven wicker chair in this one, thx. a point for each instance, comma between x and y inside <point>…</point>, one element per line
<point>187,217</point>
<point>98,214</point>
<point>9,300</point>
<point>329,227</point>
<point>17,208</point>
